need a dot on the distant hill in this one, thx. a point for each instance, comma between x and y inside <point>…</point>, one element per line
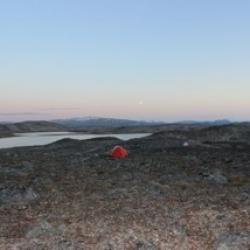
<point>4,131</point>
<point>29,126</point>
<point>102,125</point>
<point>113,125</point>
<point>210,123</point>
<point>100,122</point>
<point>234,132</point>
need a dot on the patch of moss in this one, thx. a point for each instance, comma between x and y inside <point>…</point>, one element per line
<point>238,180</point>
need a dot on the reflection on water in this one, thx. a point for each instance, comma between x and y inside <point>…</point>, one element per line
<point>43,138</point>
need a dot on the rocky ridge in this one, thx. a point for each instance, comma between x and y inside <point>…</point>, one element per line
<point>72,195</point>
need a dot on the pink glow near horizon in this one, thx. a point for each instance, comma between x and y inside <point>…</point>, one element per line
<point>170,112</point>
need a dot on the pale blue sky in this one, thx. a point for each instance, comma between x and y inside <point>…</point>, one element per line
<point>167,60</point>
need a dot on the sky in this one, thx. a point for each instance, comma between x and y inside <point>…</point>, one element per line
<point>140,59</point>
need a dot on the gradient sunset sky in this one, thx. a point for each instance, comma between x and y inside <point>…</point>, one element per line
<point>140,59</point>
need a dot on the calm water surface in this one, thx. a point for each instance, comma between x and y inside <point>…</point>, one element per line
<point>43,138</point>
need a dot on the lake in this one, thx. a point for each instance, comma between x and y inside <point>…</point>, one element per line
<point>43,138</point>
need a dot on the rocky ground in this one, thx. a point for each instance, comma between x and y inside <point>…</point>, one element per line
<point>72,195</point>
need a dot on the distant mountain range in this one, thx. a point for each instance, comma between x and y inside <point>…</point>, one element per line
<point>97,122</point>
<point>100,125</point>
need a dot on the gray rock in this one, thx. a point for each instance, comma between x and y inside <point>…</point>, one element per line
<point>27,165</point>
<point>217,177</point>
<point>68,245</point>
<point>30,194</point>
<point>234,241</point>
<point>42,229</point>
<point>8,195</point>
<point>144,246</point>
<point>22,169</point>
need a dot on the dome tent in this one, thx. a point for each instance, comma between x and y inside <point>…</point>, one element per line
<point>119,152</point>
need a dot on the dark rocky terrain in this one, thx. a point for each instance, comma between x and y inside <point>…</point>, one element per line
<point>182,188</point>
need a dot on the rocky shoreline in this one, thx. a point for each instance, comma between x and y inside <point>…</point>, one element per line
<point>164,195</point>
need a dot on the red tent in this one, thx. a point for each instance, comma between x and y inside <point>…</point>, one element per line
<point>119,152</point>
